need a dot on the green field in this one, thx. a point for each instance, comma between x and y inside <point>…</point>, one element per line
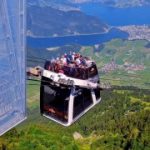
<point>120,121</point>
<point>121,51</point>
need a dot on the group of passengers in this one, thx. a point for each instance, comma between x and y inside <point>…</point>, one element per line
<point>73,64</point>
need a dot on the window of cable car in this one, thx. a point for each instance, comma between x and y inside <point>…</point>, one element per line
<point>93,71</point>
<point>83,73</point>
<point>83,99</point>
<point>79,73</point>
<point>47,65</point>
<point>97,93</point>
<point>55,102</point>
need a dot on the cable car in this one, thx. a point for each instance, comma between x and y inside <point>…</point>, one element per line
<point>68,91</point>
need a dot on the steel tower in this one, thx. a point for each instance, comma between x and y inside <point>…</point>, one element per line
<point>12,64</point>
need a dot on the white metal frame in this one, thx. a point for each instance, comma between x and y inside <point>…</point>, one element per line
<point>77,82</point>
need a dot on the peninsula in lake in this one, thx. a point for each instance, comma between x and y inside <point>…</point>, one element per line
<point>45,21</point>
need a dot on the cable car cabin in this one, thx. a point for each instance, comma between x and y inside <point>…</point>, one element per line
<point>68,93</point>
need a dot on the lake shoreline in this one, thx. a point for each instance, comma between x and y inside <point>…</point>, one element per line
<point>73,35</point>
<point>85,40</point>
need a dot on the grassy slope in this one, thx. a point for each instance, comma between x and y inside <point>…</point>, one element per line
<point>102,128</point>
<point>121,51</point>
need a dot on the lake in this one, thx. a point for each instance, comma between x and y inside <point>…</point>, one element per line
<point>86,40</point>
<point>118,16</point>
<point>110,15</point>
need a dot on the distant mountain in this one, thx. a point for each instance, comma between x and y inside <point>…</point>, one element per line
<point>116,3</point>
<point>64,5</point>
<point>71,4</point>
<point>43,21</point>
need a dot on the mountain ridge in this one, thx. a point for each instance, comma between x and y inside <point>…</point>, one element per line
<point>48,21</point>
<point>71,4</point>
<point>115,3</point>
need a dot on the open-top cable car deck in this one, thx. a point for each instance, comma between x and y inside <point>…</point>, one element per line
<point>69,90</point>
